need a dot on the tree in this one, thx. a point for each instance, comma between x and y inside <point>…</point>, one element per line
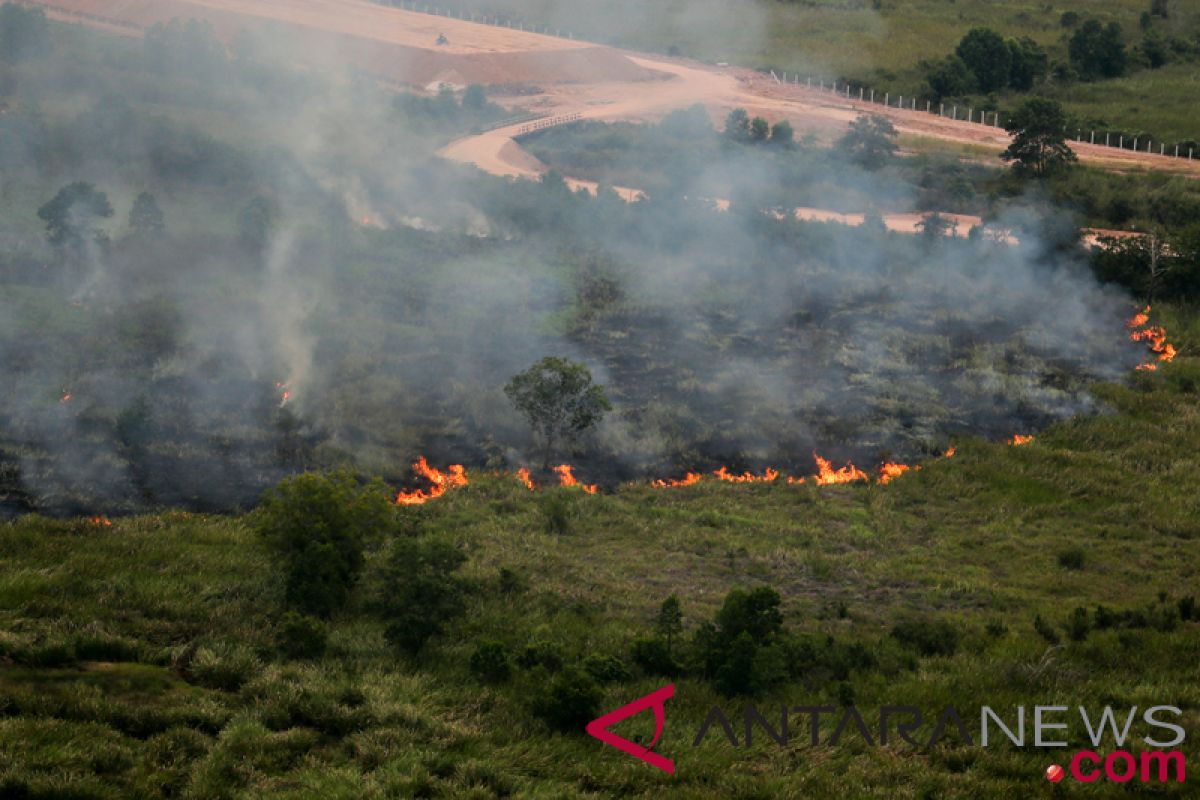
<point>935,226</point>
<point>759,128</point>
<point>782,133</point>
<point>1039,142</point>
<point>1159,8</point>
<point>1098,51</point>
<point>948,77</point>
<point>687,123</point>
<point>421,592</point>
<point>1029,63</point>
<point>737,125</point>
<point>317,525</point>
<point>988,56</point>
<point>24,33</point>
<point>559,400</point>
<point>72,217</point>
<point>146,218</point>
<point>474,98</point>
<point>871,141</point>
<point>669,622</point>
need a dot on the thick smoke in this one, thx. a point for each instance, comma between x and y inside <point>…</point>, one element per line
<point>316,246</point>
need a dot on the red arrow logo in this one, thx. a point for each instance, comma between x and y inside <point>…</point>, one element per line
<point>599,728</point>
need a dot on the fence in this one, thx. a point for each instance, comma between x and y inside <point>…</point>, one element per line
<point>547,122</point>
<point>1117,140</point>
<point>1114,139</point>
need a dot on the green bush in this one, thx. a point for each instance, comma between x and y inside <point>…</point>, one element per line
<point>653,656</point>
<point>1072,558</point>
<point>223,666</point>
<point>557,509</point>
<point>490,662</point>
<point>1079,625</point>
<point>570,701</point>
<point>1046,630</point>
<point>541,654</point>
<point>606,669</point>
<point>927,637</point>
<point>302,637</point>
<point>317,524</point>
<point>421,593</point>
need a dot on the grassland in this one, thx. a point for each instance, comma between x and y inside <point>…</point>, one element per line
<point>140,659</point>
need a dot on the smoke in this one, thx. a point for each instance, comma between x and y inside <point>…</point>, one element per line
<point>315,245</point>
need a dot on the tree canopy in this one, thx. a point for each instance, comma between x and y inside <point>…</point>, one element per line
<point>1039,142</point>
<point>559,400</point>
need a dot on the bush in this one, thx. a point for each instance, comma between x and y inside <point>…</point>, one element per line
<point>490,662</point>
<point>317,524</point>
<point>420,591</point>
<point>1071,559</point>
<point>1079,625</point>
<point>570,701</point>
<point>302,637</point>
<point>1045,630</point>
<point>654,657</point>
<point>224,666</point>
<point>1187,608</point>
<point>606,669</point>
<point>557,509</point>
<point>541,654</point>
<point>928,637</point>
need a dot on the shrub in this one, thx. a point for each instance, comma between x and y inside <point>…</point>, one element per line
<point>928,637</point>
<point>421,593</point>
<point>1079,625</point>
<point>490,662</point>
<point>1187,608</point>
<point>557,509</point>
<point>317,524</point>
<point>541,654</point>
<point>570,701</point>
<point>302,637</point>
<point>1072,558</point>
<point>654,657</point>
<point>606,669</point>
<point>1045,630</point>
<point>510,582</point>
<point>223,666</point>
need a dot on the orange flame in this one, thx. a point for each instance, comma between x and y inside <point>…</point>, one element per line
<point>827,476</point>
<point>66,397</point>
<point>1017,440</point>
<point>101,522</point>
<point>454,478</point>
<point>523,477</point>
<point>566,478</point>
<point>951,451</point>
<point>285,394</point>
<point>769,475</point>
<point>691,479</point>
<point>889,472</point>
<point>1155,336</point>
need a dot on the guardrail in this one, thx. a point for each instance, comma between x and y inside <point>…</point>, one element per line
<point>547,122</point>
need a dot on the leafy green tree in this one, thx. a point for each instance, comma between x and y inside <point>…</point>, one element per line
<point>146,218</point>
<point>1029,63</point>
<point>1160,8</point>
<point>1098,51</point>
<point>669,622</point>
<point>870,142</point>
<point>73,215</point>
<point>317,524</point>
<point>559,400</point>
<point>737,125</point>
<point>948,77</point>
<point>782,133</point>
<point>24,34</point>
<point>421,592</point>
<point>1039,144</point>
<point>988,57</point>
<point>936,226</point>
<point>759,129</point>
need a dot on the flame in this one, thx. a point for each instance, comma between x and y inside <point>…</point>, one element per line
<point>1154,335</point>
<point>1017,440</point>
<point>827,476</point>
<point>523,477</point>
<point>66,397</point>
<point>796,481</point>
<point>769,475</point>
<point>690,479</point>
<point>566,478</point>
<point>951,451</point>
<point>285,394</point>
<point>454,478</point>
<point>888,472</point>
<point>101,522</point>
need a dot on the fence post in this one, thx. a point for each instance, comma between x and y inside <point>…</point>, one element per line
<point>1108,139</point>
<point>1121,144</point>
<point>955,114</point>
<point>941,109</point>
<point>860,93</point>
<point>887,99</point>
<point>900,102</point>
<point>872,95</point>
<point>1177,151</point>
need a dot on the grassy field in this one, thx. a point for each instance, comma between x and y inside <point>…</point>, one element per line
<point>140,659</point>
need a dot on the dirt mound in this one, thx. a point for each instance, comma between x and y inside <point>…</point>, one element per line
<point>398,45</point>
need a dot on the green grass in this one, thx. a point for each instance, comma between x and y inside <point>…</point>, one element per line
<point>140,659</point>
